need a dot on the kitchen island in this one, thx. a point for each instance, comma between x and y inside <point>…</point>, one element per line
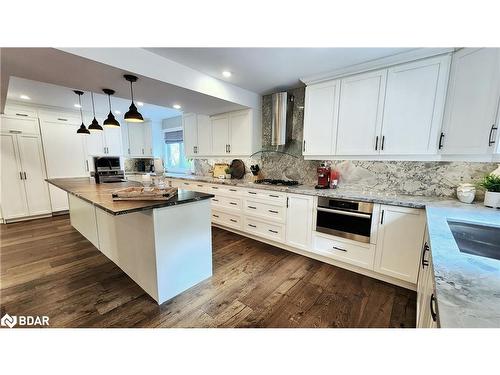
<point>164,246</point>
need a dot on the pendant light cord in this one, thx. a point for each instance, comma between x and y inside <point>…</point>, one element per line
<point>131,92</point>
<point>80,102</point>
<point>109,101</point>
<point>93,108</point>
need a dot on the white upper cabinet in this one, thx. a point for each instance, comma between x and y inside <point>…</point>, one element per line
<point>240,130</point>
<point>470,123</point>
<point>414,105</point>
<point>220,134</point>
<point>136,139</point>
<point>320,118</point>
<point>204,135</point>
<point>113,141</point>
<point>148,138</point>
<point>190,133</point>
<point>360,113</point>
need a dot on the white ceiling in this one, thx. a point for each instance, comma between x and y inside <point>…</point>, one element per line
<point>266,70</point>
<point>64,97</point>
<point>55,67</point>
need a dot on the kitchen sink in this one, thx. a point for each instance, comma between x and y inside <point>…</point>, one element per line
<point>476,239</point>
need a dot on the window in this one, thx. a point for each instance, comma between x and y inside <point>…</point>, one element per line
<point>174,155</point>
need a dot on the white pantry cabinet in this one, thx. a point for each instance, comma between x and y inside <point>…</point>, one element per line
<point>321,118</point>
<point>299,217</point>
<point>399,241</point>
<point>360,113</point>
<point>24,190</point>
<point>197,134</point>
<point>414,105</point>
<point>470,124</point>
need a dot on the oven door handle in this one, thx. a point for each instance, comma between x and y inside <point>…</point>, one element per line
<point>347,213</point>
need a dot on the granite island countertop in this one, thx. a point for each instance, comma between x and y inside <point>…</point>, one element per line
<point>467,286</point>
<point>100,195</point>
<point>364,195</point>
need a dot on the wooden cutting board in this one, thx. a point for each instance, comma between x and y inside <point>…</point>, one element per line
<point>144,194</point>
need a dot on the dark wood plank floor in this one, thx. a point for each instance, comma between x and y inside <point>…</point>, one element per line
<point>48,268</point>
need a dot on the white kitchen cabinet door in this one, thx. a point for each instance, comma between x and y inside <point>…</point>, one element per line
<point>136,138</point>
<point>240,133</point>
<point>13,195</point>
<point>148,139</point>
<point>472,103</point>
<point>19,123</point>
<point>204,136</point>
<point>414,106</point>
<point>299,218</point>
<point>113,141</point>
<point>125,142</point>
<point>190,133</point>
<point>220,134</point>
<point>95,143</point>
<point>399,242</point>
<point>321,118</point>
<point>32,162</point>
<point>360,113</point>
<point>64,150</point>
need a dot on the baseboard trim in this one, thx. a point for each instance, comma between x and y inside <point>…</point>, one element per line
<point>349,267</point>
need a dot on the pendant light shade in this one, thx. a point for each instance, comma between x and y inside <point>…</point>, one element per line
<point>94,126</point>
<point>133,114</point>
<point>111,120</point>
<point>82,129</point>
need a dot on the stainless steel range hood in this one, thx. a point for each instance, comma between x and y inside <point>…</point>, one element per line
<point>281,127</point>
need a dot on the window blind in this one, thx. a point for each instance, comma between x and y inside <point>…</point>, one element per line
<point>173,137</point>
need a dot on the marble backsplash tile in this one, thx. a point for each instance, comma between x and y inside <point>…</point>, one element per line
<point>423,178</point>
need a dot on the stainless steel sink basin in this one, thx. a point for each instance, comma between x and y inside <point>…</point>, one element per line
<point>476,239</point>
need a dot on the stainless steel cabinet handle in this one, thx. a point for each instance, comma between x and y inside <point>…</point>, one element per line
<point>214,187</point>
<point>24,173</point>
<point>382,217</point>
<point>215,215</point>
<point>234,204</point>
<point>229,148</point>
<point>233,190</point>
<point>62,119</point>
<point>338,248</point>
<point>274,196</point>
<point>376,143</point>
<point>491,141</point>
<point>383,141</point>
<point>22,114</point>
<point>253,226</point>
<point>15,131</point>
<point>252,207</point>
<point>234,221</point>
<point>273,231</point>
<point>433,311</point>
<point>304,146</point>
<point>21,175</point>
<point>215,200</point>
<point>287,202</point>
<point>251,192</point>
<point>273,211</point>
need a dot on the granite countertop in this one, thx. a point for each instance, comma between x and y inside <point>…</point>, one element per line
<point>100,195</point>
<point>467,286</point>
<point>413,201</point>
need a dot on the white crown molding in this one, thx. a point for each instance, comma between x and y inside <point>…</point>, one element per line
<point>416,54</point>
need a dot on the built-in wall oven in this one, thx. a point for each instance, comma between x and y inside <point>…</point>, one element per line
<point>344,218</point>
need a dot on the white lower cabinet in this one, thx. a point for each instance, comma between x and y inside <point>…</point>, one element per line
<point>299,218</point>
<point>24,191</point>
<point>426,301</point>
<point>361,255</point>
<point>262,228</point>
<point>399,241</point>
<point>83,218</point>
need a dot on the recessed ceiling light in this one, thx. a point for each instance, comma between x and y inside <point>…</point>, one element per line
<point>77,105</point>
<point>140,104</point>
<point>177,106</point>
<point>227,73</point>
<point>117,112</point>
<point>25,97</point>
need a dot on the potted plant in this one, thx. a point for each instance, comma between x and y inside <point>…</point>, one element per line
<point>228,172</point>
<point>491,183</point>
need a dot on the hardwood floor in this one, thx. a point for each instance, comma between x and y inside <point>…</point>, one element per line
<point>48,268</point>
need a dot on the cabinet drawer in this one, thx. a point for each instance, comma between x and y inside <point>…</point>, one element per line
<point>266,194</point>
<point>19,110</point>
<point>227,219</point>
<point>272,231</point>
<point>17,124</point>
<point>265,209</point>
<point>357,255</point>
<point>224,190</point>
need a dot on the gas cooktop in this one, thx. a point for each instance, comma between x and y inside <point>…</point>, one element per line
<point>268,181</point>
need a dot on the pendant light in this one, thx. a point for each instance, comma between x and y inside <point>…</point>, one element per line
<point>94,126</point>
<point>82,129</point>
<point>110,121</point>
<point>133,114</point>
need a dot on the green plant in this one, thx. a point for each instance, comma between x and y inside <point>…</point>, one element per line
<point>490,183</point>
<point>228,170</point>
